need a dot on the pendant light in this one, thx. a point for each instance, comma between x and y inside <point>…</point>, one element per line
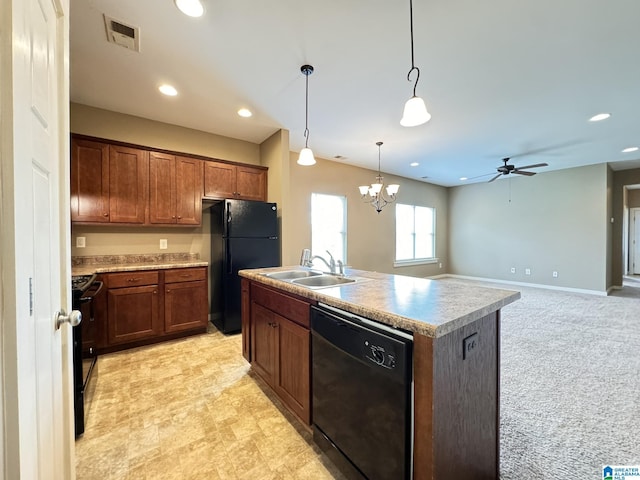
<point>376,194</point>
<point>306,155</point>
<point>415,111</point>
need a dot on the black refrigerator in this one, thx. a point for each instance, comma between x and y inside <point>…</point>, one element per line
<point>244,235</point>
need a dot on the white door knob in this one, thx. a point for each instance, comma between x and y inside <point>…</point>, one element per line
<point>74,318</point>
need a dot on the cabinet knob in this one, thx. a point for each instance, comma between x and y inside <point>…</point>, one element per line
<point>155,292</point>
<point>173,216</point>
<point>168,291</point>
<point>179,217</point>
<point>105,214</point>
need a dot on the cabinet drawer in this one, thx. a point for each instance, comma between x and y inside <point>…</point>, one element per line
<point>185,275</point>
<point>288,307</point>
<point>132,279</point>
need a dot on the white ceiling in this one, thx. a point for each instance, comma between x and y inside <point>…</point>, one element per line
<point>500,77</point>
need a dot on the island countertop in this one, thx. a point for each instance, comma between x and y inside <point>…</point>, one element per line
<point>430,307</point>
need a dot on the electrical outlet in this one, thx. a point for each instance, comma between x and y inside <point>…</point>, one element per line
<point>81,242</point>
<point>440,265</point>
<point>527,271</point>
<point>163,244</point>
<point>513,269</point>
<point>469,345</point>
<point>555,274</point>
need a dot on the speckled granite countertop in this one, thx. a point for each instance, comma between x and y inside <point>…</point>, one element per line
<point>429,307</point>
<point>131,263</point>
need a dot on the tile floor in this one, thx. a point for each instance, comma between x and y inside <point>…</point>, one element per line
<point>191,409</point>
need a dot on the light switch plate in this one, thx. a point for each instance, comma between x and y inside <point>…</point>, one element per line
<point>81,242</point>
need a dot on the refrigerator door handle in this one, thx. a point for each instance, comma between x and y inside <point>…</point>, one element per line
<point>229,259</point>
<point>228,213</point>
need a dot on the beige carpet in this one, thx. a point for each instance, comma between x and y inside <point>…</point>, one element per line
<point>570,383</point>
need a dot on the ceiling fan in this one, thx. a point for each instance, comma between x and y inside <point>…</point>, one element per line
<point>508,169</point>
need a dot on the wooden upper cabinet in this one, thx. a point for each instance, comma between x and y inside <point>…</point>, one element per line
<point>89,181</point>
<point>188,191</point>
<point>175,190</point>
<point>223,180</point>
<point>251,183</point>
<point>162,188</point>
<point>219,180</point>
<point>128,184</point>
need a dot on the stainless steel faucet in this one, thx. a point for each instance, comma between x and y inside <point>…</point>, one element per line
<point>307,261</point>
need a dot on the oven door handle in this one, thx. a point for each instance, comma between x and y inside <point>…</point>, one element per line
<point>93,293</point>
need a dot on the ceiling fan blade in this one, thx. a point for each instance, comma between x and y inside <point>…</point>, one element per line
<point>549,148</point>
<point>479,176</point>
<point>533,166</point>
<point>498,175</point>
<point>521,172</point>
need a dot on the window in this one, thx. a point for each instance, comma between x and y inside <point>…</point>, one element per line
<point>415,234</point>
<point>329,226</point>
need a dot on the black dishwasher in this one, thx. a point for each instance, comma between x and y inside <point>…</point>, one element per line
<point>362,398</point>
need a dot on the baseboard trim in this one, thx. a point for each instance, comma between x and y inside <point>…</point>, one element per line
<point>525,284</point>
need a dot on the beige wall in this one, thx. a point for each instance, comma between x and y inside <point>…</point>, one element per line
<point>370,236</point>
<point>552,221</point>
<point>274,154</point>
<point>110,125</point>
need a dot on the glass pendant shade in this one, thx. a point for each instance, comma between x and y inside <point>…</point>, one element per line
<point>376,187</point>
<point>393,189</point>
<point>306,157</point>
<point>364,189</point>
<point>192,8</point>
<point>415,113</point>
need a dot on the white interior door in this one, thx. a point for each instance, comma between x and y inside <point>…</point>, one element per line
<point>37,377</point>
<point>634,247</point>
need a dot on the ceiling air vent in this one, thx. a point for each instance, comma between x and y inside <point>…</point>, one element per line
<point>122,34</point>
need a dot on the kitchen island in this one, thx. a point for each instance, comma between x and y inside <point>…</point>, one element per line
<point>456,356</point>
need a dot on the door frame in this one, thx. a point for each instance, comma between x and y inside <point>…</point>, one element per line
<point>634,248</point>
<point>12,300</point>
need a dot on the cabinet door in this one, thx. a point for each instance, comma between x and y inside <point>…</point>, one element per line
<point>128,184</point>
<point>264,342</point>
<point>133,313</point>
<point>185,306</point>
<point>246,318</point>
<point>162,188</point>
<point>293,384</point>
<point>219,180</point>
<point>251,183</point>
<point>188,191</point>
<point>89,181</point>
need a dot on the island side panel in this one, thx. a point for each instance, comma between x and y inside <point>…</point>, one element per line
<point>423,407</point>
<point>466,402</point>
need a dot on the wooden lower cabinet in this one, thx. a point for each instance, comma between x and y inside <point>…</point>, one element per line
<point>151,306</point>
<point>133,313</point>
<point>185,304</point>
<point>281,347</point>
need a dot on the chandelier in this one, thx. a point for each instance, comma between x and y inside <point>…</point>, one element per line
<point>377,194</point>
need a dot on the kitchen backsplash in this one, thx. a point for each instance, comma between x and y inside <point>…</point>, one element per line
<point>77,261</point>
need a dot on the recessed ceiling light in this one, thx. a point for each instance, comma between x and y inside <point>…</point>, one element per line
<point>414,164</point>
<point>599,117</point>
<point>463,179</point>
<point>245,112</point>
<point>168,90</point>
<point>630,149</point>
<point>192,8</point>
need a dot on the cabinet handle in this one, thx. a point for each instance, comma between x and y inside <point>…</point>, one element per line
<point>185,275</point>
<point>134,279</point>
<point>105,214</point>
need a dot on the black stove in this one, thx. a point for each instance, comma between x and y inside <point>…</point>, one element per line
<point>83,289</point>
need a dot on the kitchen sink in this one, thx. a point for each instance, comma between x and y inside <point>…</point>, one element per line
<point>293,274</point>
<point>324,281</point>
